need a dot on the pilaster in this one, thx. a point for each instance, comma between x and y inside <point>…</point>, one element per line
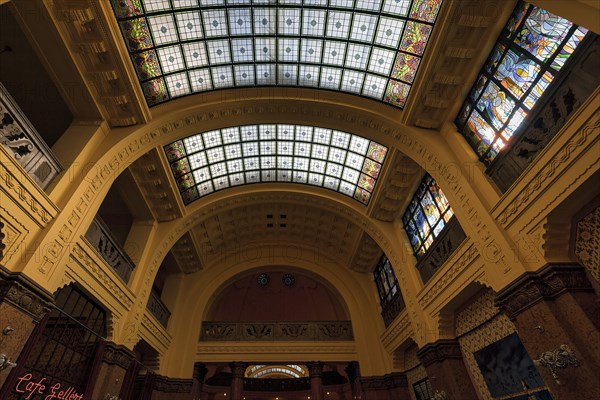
<point>557,315</point>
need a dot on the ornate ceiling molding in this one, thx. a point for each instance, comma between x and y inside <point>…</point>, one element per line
<point>186,253</point>
<point>89,33</point>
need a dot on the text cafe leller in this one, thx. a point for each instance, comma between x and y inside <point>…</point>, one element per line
<point>39,389</point>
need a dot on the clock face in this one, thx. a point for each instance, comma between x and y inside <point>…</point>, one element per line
<point>263,280</point>
<point>288,280</point>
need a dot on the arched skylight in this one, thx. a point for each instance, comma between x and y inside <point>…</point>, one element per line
<point>370,48</point>
<point>266,371</point>
<point>531,50</point>
<point>216,160</point>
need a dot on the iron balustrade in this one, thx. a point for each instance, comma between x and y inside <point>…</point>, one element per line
<point>392,309</point>
<point>276,385</point>
<point>158,309</point>
<point>101,238</point>
<point>276,331</point>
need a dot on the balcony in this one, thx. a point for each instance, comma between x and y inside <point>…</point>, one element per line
<point>24,143</point>
<point>443,246</point>
<point>158,309</point>
<point>392,309</point>
<point>106,245</point>
<point>277,331</point>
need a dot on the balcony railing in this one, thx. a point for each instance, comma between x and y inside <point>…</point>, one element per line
<point>24,143</point>
<point>101,239</point>
<point>158,309</point>
<point>276,385</point>
<point>276,331</point>
<point>570,90</point>
<point>443,246</point>
<point>393,309</point>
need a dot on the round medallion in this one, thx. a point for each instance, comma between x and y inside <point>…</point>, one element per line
<point>263,280</point>
<point>288,280</point>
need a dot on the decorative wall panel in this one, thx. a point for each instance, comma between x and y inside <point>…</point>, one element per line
<point>481,324</point>
<point>587,242</point>
<point>414,370</point>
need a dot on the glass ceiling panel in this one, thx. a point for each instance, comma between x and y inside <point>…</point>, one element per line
<point>215,160</point>
<point>371,48</point>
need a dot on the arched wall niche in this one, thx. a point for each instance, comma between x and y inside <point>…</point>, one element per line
<point>276,293</point>
<point>357,292</point>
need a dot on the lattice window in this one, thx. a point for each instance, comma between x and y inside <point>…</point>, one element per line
<point>423,390</point>
<point>530,52</point>
<point>426,216</point>
<point>385,279</point>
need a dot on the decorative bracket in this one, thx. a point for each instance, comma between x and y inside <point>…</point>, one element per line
<point>559,358</point>
<point>5,362</point>
<point>440,395</point>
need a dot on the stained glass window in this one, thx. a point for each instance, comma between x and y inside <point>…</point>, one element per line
<point>219,159</point>
<point>369,48</point>
<point>385,279</point>
<point>268,371</point>
<point>427,214</point>
<point>531,50</point>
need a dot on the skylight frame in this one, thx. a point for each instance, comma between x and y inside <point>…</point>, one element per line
<point>219,159</point>
<point>162,80</point>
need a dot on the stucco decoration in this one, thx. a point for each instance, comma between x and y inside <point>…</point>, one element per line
<point>587,243</point>
<point>481,323</point>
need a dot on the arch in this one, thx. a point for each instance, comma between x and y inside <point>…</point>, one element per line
<point>356,290</point>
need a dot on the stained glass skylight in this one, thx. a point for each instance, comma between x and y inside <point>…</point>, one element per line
<point>533,47</point>
<point>370,48</point>
<point>427,214</point>
<point>219,159</point>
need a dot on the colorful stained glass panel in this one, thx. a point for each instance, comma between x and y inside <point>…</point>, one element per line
<point>542,33</point>
<point>405,67</point>
<point>415,38</point>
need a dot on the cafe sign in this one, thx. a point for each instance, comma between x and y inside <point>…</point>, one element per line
<point>31,388</point>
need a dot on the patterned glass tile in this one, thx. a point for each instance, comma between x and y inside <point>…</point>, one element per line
<point>229,43</point>
<point>534,45</point>
<point>218,159</point>
<point>396,93</point>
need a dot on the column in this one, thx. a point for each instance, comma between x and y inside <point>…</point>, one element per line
<point>557,315</point>
<point>237,382</point>
<point>353,373</point>
<point>315,370</point>
<point>111,377</point>
<point>446,369</point>
<point>22,305</point>
<point>199,376</point>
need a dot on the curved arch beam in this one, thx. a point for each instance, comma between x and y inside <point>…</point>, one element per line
<point>357,291</point>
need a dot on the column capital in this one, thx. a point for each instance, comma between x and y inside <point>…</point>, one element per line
<point>200,371</point>
<point>353,371</point>
<point>238,369</point>
<point>315,368</point>
<point>548,283</point>
<point>120,355</point>
<point>441,350</point>
<point>24,294</point>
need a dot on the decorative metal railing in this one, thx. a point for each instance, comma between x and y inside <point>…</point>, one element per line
<point>101,239</point>
<point>276,385</point>
<point>276,331</point>
<point>158,309</point>
<point>393,309</point>
<point>444,245</point>
<point>24,143</point>
<point>570,90</point>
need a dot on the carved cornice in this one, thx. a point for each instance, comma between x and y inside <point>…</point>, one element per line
<point>172,385</point>
<point>95,266</point>
<point>401,176</point>
<point>228,348</point>
<point>535,181</point>
<point>454,266</point>
<point>439,351</point>
<point>366,255</point>
<point>151,177</point>
<point>385,382</point>
<point>461,28</point>
<point>185,252</point>
<point>21,189</point>
<point>156,330</point>
<point>117,355</point>
<point>87,31</point>
<point>21,292</point>
<point>276,331</point>
<point>550,282</point>
<point>397,332</point>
